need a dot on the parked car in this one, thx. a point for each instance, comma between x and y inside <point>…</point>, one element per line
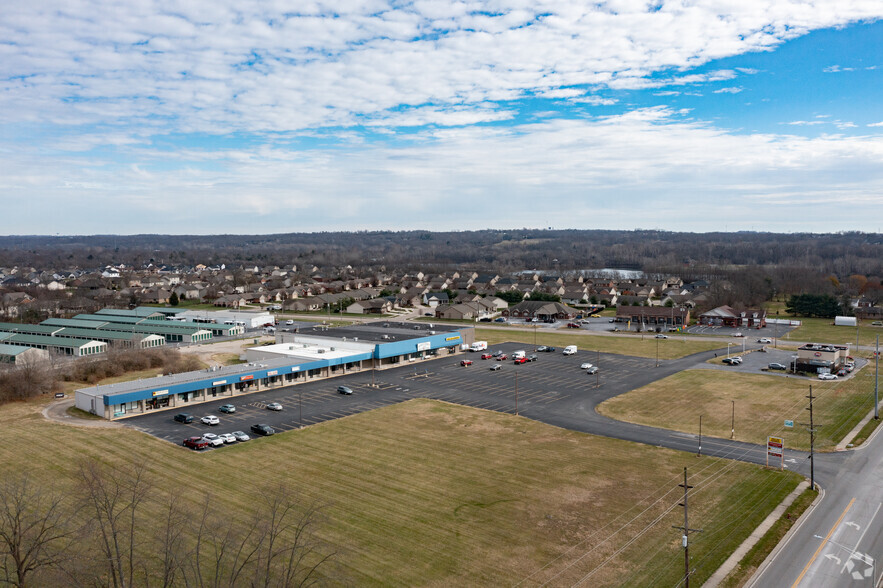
<point>661,336</point>
<point>520,360</point>
<point>240,435</point>
<point>289,322</point>
<point>738,334</point>
<point>210,420</point>
<point>777,366</point>
<point>427,314</point>
<point>532,357</point>
<point>344,390</point>
<point>585,366</point>
<point>228,408</point>
<point>274,406</point>
<point>264,430</point>
<point>592,370</point>
<point>195,443</point>
<point>499,320</point>
<point>595,315</point>
<point>184,418</point>
<point>503,357</point>
<point>485,319</point>
<point>227,437</point>
<point>497,353</point>
<point>572,325</point>
<point>827,377</point>
<point>486,356</point>
<point>542,348</point>
<point>495,367</point>
<point>735,360</point>
<point>465,362</point>
<point>764,340</point>
<point>213,440</point>
<point>549,349</point>
<point>877,324</point>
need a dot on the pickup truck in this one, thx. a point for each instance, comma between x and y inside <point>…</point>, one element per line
<point>195,443</point>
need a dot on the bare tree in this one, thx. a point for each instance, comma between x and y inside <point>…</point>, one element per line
<point>113,498</point>
<point>36,530</point>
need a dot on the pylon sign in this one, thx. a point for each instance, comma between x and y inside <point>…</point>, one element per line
<point>775,447</point>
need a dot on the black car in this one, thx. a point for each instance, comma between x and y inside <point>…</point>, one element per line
<point>549,349</point>
<point>344,390</point>
<point>184,418</point>
<point>264,430</point>
<point>532,357</point>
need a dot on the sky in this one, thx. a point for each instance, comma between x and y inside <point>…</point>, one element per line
<point>204,117</point>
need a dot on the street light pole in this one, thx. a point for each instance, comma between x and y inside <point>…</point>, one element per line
<point>700,436</point>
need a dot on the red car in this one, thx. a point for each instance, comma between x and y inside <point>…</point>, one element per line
<point>572,325</point>
<point>466,362</point>
<point>503,357</point>
<point>486,356</point>
<point>195,443</point>
<point>521,360</point>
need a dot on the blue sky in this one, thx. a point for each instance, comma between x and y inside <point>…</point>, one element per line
<point>210,117</point>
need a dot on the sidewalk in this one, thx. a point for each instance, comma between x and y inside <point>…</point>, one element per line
<point>734,559</point>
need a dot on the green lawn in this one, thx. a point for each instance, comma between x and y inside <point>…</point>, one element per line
<point>817,330</point>
<point>672,348</point>
<point>431,494</point>
<point>762,404</point>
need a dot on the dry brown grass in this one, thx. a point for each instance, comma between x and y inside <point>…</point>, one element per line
<point>762,404</point>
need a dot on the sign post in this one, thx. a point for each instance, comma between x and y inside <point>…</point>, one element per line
<point>775,447</point>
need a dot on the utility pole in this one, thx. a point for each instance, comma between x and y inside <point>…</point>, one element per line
<point>687,530</point>
<point>812,439</point>
<point>876,374</point>
<point>700,438</point>
<point>733,422</point>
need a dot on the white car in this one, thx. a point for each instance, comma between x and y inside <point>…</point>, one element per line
<point>210,420</point>
<point>827,377</point>
<point>764,340</point>
<point>227,437</point>
<point>212,439</point>
<point>289,322</point>
<point>274,406</point>
<point>738,334</point>
<point>240,436</point>
<point>585,366</point>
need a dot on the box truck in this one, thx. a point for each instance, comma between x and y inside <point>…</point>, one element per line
<point>478,346</point>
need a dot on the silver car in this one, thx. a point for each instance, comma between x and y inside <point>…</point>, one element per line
<point>240,435</point>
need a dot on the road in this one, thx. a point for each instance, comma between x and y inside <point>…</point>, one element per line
<point>840,542</point>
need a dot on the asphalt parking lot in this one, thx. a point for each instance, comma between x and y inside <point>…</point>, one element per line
<point>553,384</point>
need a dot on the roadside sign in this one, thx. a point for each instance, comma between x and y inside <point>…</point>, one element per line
<point>775,447</point>
<point>789,424</point>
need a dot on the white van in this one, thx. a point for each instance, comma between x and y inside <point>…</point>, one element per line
<point>570,350</point>
<point>518,355</point>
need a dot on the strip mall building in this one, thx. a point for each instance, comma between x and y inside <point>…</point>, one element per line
<point>311,354</point>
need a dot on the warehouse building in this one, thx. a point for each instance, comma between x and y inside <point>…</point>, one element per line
<point>18,354</point>
<point>295,358</point>
<point>60,345</point>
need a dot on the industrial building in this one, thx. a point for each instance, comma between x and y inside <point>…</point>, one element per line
<point>18,354</point>
<point>317,353</point>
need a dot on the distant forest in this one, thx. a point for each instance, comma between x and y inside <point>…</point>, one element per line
<point>655,252</point>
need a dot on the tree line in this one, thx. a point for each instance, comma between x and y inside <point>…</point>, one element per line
<point>113,527</point>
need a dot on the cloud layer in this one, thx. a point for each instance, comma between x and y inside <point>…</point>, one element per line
<point>243,116</point>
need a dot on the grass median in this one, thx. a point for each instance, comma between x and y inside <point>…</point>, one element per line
<point>762,404</point>
<point>674,347</point>
<point>428,493</point>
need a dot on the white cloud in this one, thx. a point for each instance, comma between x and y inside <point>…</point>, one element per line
<point>594,168</point>
<point>876,124</point>
<point>730,90</point>
<point>245,66</point>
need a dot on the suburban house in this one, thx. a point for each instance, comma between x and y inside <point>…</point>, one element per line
<point>542,310</point>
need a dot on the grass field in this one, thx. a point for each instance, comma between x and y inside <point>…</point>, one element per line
<point>432,494</point>
<point>762,404</point>
<point>672,348</point>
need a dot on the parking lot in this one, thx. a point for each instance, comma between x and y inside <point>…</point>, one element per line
<point>554,384</point>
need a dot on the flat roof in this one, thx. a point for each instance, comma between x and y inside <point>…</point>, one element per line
<point>12,350</point>
<point>218,373</point>
<point>307,350</point>
<point>95,334</point>
<point>28,328</point>
<point>51,341</point>
<point>382,331</point>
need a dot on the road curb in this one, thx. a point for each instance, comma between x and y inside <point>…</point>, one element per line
<point>785,540</point>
